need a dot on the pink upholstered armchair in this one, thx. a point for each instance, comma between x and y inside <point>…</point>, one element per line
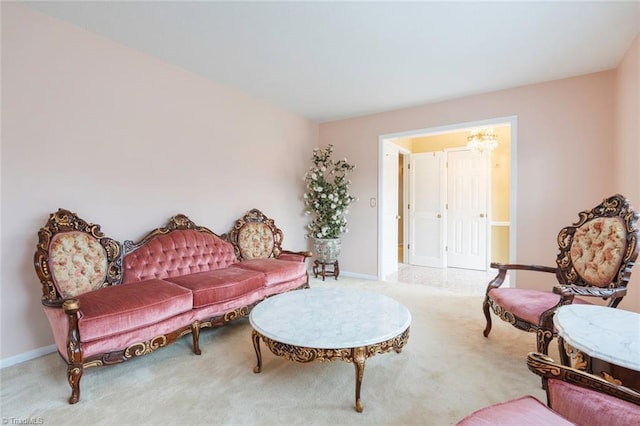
<point>595,260</point>
<point>573,398</point>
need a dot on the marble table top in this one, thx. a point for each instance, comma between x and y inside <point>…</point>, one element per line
<point>330,318</point>
<point>609,334</point>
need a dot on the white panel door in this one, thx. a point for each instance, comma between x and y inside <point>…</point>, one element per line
<point>467,182</point>
<point>390,210</point>
<point>426,210</point>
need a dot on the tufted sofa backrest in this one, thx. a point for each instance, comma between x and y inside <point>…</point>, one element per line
<point>179,252</point>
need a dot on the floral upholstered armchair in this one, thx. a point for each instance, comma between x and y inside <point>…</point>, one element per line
<point>595,260</point>
<point>573,398</point>
<point>255,236</point>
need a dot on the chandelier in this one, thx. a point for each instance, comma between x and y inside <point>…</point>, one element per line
<point>482,140</point>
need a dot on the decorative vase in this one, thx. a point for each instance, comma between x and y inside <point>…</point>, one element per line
<point>326,250</point>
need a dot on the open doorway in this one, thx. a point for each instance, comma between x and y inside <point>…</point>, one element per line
<point>396,219</point>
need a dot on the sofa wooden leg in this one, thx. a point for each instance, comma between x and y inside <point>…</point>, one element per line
<point>195,331</point>
<point>74,374</point>
<point>74,349</point>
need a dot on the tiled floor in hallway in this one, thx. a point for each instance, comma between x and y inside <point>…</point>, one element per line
<point>459,281</point>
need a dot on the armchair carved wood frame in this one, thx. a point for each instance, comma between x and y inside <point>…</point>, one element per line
<point>595,260</point>
<point>574,397</point>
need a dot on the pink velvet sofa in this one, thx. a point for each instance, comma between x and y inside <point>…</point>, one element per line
<point>108,302</point>
<point>573,398</point>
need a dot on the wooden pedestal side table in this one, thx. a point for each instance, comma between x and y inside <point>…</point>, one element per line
<point>602,341</point>
<point>320,268</point>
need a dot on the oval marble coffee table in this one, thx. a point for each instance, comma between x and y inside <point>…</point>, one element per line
<point>328,324</point>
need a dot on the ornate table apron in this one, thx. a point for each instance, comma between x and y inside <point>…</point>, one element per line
<point>357,355</point>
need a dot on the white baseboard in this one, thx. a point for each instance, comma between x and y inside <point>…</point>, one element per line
<point>26,356</point>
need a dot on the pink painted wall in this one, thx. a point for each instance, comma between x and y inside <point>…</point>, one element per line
<point>126,141</point>
<point>626,145</point>
<point>565,157</point>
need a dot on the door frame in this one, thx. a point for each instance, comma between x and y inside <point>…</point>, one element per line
<point>512,121</point>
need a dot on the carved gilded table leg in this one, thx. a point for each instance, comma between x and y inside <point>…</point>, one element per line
<point>256,346</point>
<point>359,357</point>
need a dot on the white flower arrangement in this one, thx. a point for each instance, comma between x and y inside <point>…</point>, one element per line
<point>327,197</point>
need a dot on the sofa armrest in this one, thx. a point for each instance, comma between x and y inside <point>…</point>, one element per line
<point>74,349</point>
<point>296,256</point>
<point>71,308</point>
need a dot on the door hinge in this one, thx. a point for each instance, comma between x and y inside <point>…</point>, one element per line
<point>408,246</point>
<point>446,248</point>
<point>408,206</point>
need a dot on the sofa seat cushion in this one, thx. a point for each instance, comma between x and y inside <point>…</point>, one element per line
<point>121,308</point>
<point>275,270</point>
<point>526,410</point>
<point>527,304</point>
<point>220,285</point>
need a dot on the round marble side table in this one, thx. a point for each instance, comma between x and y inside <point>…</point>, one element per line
<point>600,340</point>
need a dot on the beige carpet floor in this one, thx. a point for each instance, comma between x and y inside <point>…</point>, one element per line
<point>446,370</point>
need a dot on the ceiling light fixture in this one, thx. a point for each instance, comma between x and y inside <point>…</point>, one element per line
<point>482,140</point>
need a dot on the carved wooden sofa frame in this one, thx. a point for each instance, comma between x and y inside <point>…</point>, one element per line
<point>80,269</point>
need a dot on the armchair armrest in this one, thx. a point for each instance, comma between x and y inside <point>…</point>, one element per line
<point>576,290</point>
<point>503,268</point>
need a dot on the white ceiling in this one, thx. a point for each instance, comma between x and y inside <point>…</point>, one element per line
<point>332,60</point>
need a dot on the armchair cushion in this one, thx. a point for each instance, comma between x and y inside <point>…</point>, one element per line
<point>526,304</point>
<point>598,248</point>
<point>117,309</point>
<point>599,409</point>
<point>275,270</point>
<point>219,285</point>
<point>523,411</point>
